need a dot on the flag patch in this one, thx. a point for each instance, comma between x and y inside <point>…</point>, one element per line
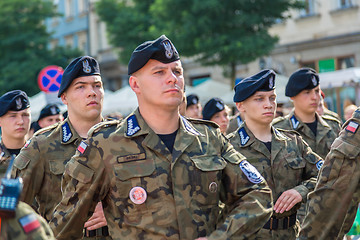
<point>29,223</point>
<point>82,147</point>
<point>352,127</point>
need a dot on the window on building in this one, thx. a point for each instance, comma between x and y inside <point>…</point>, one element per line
<point>82,6</point>
<point>345,3</point>
<point>69,41</point>
<point>69,9</point>
<point>309,8</point>
<point>82,41</point>
<point>54,43</point>
<point>346,62</point>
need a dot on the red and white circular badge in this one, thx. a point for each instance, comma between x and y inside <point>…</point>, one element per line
<point>138,195</point>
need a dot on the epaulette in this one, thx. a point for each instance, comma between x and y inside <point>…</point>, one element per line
<point>331,118</point>
<point>200,121</point>
<point>288,132</point>
<point>46,129</point>
<point>231,135</point>
<point>97,127</point>
<point>277,120</point>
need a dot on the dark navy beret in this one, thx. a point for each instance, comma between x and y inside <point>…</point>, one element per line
<point>303,78</point>
<point>192,99</point>
<point>79,67</point>
<point>213,106</point>
<point>160,49</point>
<point>15,100</point>
<point>262,81</point>
<point>49,110</point>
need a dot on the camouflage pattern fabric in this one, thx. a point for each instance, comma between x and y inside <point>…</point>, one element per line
<point>337,189</point>
<point>332,114</point>
<point>290,165</point>
<point>149,193</point>
<point>26,225</point>
<point>234,123</point>
<point>328,129</point>
<point>5,157</point>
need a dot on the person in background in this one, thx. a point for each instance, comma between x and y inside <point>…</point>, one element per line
<point>324,110</point>
<point>49,115</point>
<point>41,163</point>
<point>349,110</point>
<point>161,175</point>
<point>234,122</point>
<point>15,124</point>
<point>193,107</point>
<point>284,159</point>
<point>215,110</point>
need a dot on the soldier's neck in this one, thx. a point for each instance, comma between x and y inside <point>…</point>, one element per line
<point>260,131</point>
<point>305,117</point>
<point>82,126</point>
<point>13,143</point>
<point>161,121</point>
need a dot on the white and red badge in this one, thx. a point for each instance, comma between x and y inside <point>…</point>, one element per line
<point>82,147</point>
<point>138,195</point>
<point>352,127</point>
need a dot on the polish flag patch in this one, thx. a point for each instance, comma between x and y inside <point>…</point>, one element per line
<point>29,223</point>
<point>82,147</point>
<point>352,127</point>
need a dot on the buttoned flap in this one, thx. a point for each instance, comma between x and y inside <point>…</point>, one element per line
<point>21,162</point>
<point>347,149</point>
<point>57,167</point>
<point>79,171</point>
<point>209,163</point>
<point>138,167</point>
<point>295,161</point>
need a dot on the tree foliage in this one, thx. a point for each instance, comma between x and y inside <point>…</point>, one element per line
<point>23,45</point>
<point>216,32</point>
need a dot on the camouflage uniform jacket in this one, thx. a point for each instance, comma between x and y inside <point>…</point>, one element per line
<point>337,189</point>
<point>328,129</point>
<point>290,165</point>
<point>26,225</point>
<point>41,164</point>
<point>234,123</point>
<point>4,159</point>
<point>149,193</point>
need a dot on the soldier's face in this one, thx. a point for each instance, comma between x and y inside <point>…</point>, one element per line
<point>15,124</point>
<point>307,101</point>
<point>222,119</point>
<point>159,85</point>
<point>49,120</point>
<point>259,108</point>
<point>84,98</point>
<point>194,111</point>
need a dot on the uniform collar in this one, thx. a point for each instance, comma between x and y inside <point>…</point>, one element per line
<point>135,125</point>
<point>4,153</point>
<point>246,136</point>
<point>297,123</point>
<point>67,132</point>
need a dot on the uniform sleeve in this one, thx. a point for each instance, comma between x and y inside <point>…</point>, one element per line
<point>313,164</point>
<point>83,186</point>
<point>247,197</point>
<point>29,165</point>
<point>336,189</point>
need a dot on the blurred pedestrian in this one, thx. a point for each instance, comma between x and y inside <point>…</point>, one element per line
<point>193,107</point>
<point>215,110</point>
<point>348,111</point>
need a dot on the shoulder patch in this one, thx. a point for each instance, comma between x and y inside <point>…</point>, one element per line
<point>29,223</point>
<point>319,164</point>
<point>132,126</point>
<point>244,137</point>
<point>352,127</point>
<point>200,121</point>
<point>66,132</point>
<point>27,143</point>
<point>82,147</point>
<point>250,172</point>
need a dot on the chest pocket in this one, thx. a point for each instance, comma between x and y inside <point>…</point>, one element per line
<point>294,161</point>
<point>57,167</point>
<point>134,169</point>
<point>205,179</point>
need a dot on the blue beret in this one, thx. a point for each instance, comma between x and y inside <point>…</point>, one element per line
<point>213,106</point>
<point>262,81</point>
<point>192,99</point>
<point>303,78</point>
<point>49,110</point>
<point>15,100</point>
<point>79,67</point>
<point>160,49</point>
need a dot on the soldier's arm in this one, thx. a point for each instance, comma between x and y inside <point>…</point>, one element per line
<point>29,165</point>
<point>247,196</point>
<point>83,186</point>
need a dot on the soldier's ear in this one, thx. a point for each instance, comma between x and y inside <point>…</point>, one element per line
<point>133,83</point>
<point>240,106</point>
<point>64,98</point>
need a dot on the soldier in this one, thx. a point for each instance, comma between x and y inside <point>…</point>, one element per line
<point>287,163</point>
<point>193,107</point>
<point>41,163</point>
<point>234,123</point>
<point>319,132</point>
<point>14,123</point>
<point>159,175</point>
<point>215,110</point>
<point>337,188</point>
<point>49,115</point>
